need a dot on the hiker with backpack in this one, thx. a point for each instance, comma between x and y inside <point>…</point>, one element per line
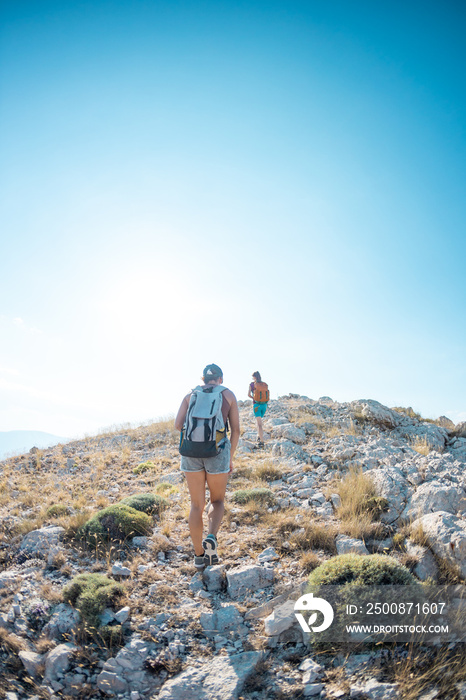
<point>259,393</point>
<point>207,456</point>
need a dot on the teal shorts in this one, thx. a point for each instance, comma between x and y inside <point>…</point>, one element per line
<point>260,409</point>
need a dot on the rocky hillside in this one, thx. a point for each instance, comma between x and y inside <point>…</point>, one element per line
<point>99,596</point>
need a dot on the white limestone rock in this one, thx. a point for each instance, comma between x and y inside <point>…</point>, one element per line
<point>118,569</point>
<point>267,555</point>
<point>458,449</point>
<point>287,449</point>
<point>391,484</point>
<point>446,535</point>
<point>374,690</point>
<point>220,678</point>
<point>247,579</point>
<point>58,660</point>
<point>38,543</point>
<point>346,545</point>
<point>433,496</point>
<point>214,578</point>
<point>426,567</point>
<point>225,619</point>
<point>378,414</point>
<point>32,662</point>
<point>111,683</point>
<point>289,431</point>
<point>63,622</point>
<point>280,619</point>
<point>122,615</point>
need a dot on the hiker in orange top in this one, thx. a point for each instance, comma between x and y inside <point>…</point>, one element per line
<point>207,456</point>
<point>259,393</point>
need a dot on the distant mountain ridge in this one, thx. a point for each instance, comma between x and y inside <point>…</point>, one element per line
<point>18,441</point>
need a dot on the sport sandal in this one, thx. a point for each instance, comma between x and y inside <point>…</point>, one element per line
<point>210,550</point>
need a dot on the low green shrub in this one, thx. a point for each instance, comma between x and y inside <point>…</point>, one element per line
<point>56,510</point>
<point>166,488</point>
<point>91,594</point>
<point>260,495</point>
<point>144,467</point>
<point>149,503</point>
<point>353,581</point>
<point>358,569</point>
<point>116,522</point>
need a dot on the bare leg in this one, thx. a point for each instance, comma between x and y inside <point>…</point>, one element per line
<point>217,484</point>
<point>196,485</point>
<point>260,428</point>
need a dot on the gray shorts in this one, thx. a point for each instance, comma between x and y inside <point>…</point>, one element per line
<point>212,465</point>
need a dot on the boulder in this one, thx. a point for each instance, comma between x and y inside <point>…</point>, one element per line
<point>225,619</point>
<point>458,449</point>
<point>431,434</point>
<point>392,485</point>
<point>374,690</point>
<point>280,619</point>
<point>111,683</point>
<point>32,662</point>
<point>214,578</point>
<point>220,678</point>
<point>446,535</point>
<point>287,448</point>
<point>64,622</point>
<point>445,422</point>
<point>289,431</point>
<point>376,413</point>
<point>345,545</point>
<point>433,496</point>
<point>57,661</point>
<point>426,566</point>
<point>38,543</point>
<point>247,579</point>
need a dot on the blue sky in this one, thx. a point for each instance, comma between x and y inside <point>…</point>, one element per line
<point>265,185</point>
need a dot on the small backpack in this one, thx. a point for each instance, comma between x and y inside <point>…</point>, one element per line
<point>204,431</point>
<point>261,392</point>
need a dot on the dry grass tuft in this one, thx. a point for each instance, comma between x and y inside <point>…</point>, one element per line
<point>314,536</point>
<point>360,505</point>
<point>418,536</point>
<point>407,412</point>
<point>11,642</point>
<point>420,672</point>
<point>351,428</point>
<point>421,445</point>
<point>268,471</point>
<point>309,561</point>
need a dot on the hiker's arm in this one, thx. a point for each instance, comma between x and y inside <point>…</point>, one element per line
<point>233,418</point>
<point>181,415</point>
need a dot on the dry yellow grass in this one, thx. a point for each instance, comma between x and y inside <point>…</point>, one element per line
<point>441,668</point>
<point>309,561</point>
<point>360,505</point>
<point>422,446</point>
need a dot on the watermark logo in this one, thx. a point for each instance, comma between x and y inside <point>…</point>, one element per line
<point>308,604</point>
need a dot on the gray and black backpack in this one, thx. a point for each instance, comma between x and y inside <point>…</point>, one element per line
<point>204,430</point>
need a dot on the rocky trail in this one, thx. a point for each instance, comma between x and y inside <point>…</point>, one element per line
<point>165,631</point>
